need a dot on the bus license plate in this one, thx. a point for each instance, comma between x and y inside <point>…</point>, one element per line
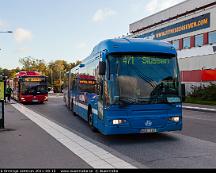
<point>148,131</point>
<point>34,101</point>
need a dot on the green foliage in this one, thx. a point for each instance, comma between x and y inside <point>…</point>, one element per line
<point>33,64</point>
<point>199,101</point>
<point>207,93</point>
<point>55,70</point>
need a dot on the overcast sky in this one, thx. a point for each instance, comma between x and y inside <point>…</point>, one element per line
<point>66,29</point>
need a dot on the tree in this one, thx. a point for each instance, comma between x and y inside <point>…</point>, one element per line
<point>33,64</point>
<point>57,70</point>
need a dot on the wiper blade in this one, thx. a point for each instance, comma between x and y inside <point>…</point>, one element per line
<point>143,99</point>
<point>127,99</point>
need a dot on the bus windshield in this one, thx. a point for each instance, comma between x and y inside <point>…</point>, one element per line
<point>89,88</point>
<point>140,79</point>
<point>33,88</point>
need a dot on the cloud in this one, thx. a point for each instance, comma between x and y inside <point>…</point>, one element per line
<point>23,50</point>
<point>152,6</point>
<point>3,24</point>
<point>22,35</point>
<point>157,5</point>
<point>82,45</point>
<point>102,14</point>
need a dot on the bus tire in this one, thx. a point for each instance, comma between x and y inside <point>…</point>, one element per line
<point>90,120</point>
<point>72,108</point>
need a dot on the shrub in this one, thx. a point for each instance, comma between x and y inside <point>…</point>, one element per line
<point>204,92</point>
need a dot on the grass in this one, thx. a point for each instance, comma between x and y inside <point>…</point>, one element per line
<point>200,101</point>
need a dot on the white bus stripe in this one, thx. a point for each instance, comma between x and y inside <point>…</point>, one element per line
<point>92,154</point>
<point>94,111</point>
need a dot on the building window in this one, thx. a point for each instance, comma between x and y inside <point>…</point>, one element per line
<point>199,40</point>
<point>212,37</point>
<point>186,42</point>
<point>176,44</point>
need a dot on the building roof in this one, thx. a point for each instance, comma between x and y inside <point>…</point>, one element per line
<point>169,14</point>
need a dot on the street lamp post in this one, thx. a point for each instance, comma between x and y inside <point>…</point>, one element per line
<point>2,89</point>
<point>60,81</point>
<point>10,32</point>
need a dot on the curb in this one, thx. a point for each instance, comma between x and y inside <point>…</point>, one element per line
<point>199,109</point>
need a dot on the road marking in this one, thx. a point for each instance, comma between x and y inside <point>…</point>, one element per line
<point>198,108</point>
<point>195,118</point>
<point>92,154</point>
<point>54,96</point>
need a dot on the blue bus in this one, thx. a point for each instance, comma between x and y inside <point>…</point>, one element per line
<point>127,85</point>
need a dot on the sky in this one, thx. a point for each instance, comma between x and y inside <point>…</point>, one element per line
<point>66,29</point>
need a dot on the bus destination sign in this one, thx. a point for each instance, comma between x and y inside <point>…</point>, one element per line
<point>89,82</point>
<point>33,79</point>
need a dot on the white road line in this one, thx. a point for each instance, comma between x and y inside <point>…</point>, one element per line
<point>54,96</point>
<point>92,154</point>
<point>198,108</point>
<point>195,118</point>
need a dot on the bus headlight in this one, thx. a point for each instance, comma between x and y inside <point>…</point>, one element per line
<point>116,122</point>
<point>22,99</point>
<point>175,119</point>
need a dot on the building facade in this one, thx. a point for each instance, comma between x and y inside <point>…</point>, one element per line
<point>191,27</point>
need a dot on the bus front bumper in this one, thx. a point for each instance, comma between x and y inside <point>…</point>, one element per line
<point>115,129</point>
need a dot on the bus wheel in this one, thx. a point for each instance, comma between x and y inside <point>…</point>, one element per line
<point>72,109</point>
<point>90,120</point>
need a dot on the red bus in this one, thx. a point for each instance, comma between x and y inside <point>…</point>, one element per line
<point>30,87</point>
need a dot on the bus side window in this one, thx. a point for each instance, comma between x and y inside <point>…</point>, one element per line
<point>108,69</point>
<point>73,85</point>
<point>100,89</point>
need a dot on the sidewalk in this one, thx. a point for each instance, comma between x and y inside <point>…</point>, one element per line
<point>23,144</point>
<point>198,107</point>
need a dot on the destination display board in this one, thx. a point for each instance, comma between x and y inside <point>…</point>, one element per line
<point>89,82</point>
<point>33,79</point>
<point>144,60</point>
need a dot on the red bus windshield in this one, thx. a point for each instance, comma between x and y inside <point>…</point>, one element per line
<point>33,86</point>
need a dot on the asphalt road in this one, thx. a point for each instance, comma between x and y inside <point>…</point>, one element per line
<point>193,147</point>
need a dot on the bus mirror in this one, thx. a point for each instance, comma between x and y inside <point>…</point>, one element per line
<point>82,65</point>
<point>102,68</point>
<point>183,92</point>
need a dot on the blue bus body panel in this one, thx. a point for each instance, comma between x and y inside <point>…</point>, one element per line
<point>136,117</point>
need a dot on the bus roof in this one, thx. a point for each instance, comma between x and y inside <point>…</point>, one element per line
<point>28,73</point>
<point>134,45</point>
<point>130,45</point>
